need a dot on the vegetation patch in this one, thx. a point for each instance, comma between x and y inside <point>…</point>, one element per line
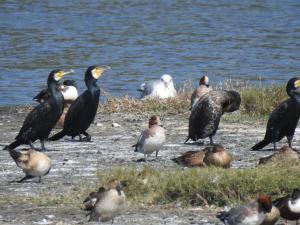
<point>189,187</point>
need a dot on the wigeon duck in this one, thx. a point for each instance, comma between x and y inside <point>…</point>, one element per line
<point>206,113</point>
<point>83,110</point>
<point>200,91</point>
<point>151,139</point>
<point>163,88</point>
<point>289,206</point>
<point>40,121</point>
<point>109,204</point>
<point>252,213</point>
<point>284,119</point>
<point>285,154</point>
<point>33,163</point>
<point>217,156</point>
<point>272,217</point>
<point>191,159</point>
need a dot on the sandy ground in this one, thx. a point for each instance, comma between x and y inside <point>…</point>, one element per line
<point>110,147</point>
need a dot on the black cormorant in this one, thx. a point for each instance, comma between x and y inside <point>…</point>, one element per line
<point>284,119</point>
<point>83,110</point>
<point>40,121</point>
<point>206,114</point>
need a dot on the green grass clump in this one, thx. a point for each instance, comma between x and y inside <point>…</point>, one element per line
<point>261,100</point>
<point>194,186</point>
<point>206,185</point>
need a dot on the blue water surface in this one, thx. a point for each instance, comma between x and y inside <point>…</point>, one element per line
<point>141,40</point>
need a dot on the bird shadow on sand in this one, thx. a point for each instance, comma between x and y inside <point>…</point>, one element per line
<point>148,160</point>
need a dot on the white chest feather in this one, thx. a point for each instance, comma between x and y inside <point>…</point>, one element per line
<point>70,93</point>
<point>295,206</point>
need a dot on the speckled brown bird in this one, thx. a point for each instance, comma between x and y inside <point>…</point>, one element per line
<point>206,114</point>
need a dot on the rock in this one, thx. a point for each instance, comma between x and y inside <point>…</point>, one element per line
<point>115,125</point>
<point>99,125</point>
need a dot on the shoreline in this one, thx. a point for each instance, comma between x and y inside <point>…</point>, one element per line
<point>75,163</point>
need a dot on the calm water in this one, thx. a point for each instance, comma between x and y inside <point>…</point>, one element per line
<point>141,40</point>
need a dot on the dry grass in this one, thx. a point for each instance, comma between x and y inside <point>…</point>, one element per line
<point>257,101</point>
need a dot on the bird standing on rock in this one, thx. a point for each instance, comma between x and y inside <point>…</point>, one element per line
<point>252,213</point>
<point>284,119</point>
<point>152,138</point>
<point>200,91</point>
<point>206,114</point>
<point>40,121</point>
<point>163,88</point>
<point>83,110</point>
<point>33,163</point>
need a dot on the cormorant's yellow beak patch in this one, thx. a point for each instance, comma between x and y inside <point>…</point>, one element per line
<point>297,83</point>
<point>98,71</point>
<point>60,74</point>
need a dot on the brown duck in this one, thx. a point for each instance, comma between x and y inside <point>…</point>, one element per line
<point>285,154</point>
<point>217,156</point>
<point>33,163</point>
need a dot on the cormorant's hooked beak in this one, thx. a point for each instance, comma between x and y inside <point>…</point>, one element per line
<point>61,74</point>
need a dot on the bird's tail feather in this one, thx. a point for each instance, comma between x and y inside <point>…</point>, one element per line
<point>57,136</point>
<point>12,145</point>
<point>260,145</point>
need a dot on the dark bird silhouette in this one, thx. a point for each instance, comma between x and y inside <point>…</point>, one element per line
<point>40,121</point>
<point>83,110</point>
<point>284,119</point>
<point>206,114</point>
<point>289,206</point>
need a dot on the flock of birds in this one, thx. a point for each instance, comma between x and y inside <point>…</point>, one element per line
<point>60,105</point>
